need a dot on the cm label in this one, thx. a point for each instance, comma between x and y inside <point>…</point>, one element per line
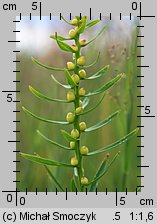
<point>9,7</point>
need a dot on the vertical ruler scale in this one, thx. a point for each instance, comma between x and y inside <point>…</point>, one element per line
<point>146,114</point>
<point>97,203</point>
<point>8,97</point>
<point>16,101</point>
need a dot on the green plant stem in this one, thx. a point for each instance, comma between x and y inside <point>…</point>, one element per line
<point>76,122</point>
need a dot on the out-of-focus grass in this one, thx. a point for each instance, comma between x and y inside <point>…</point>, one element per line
<point>120,53</point>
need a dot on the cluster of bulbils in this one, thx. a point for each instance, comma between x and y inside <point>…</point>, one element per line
<point>80,61</point>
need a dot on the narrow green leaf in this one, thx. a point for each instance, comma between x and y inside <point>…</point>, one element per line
<point>106,86</point>
<point>52,142</point>
<point>100,73</point>
<point>101,169</point>
<point>91,109</point>
<point>67,136</point>
<point>41,160</point>
<point>69,78</point>
<point>94,63</point>
<point>63,46</point>
<point>83,25</point>
<point>65,20</point>
<point>43,119</point>
<point>45,66</point>
<point>92,23</point>
<point>102,123</point>
<point>63,85</point>
<point>101,172</point>
<point>53,178</point>
<point>85,102</point>
<point>94,38</point>
<point>115,144</point>
<point>60,38</point>
<point>73,186</point>
<point>78,17</point>
<point>42,96</point>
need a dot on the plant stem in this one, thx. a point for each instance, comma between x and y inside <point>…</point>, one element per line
<point>76,122</point>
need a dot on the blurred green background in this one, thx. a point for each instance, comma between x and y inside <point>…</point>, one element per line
<point>117,46</point>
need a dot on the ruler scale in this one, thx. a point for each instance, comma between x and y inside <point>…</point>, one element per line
<point>93,207</point>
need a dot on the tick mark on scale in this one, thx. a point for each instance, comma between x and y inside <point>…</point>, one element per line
<point>66,194</point>
<point>100,16</point>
